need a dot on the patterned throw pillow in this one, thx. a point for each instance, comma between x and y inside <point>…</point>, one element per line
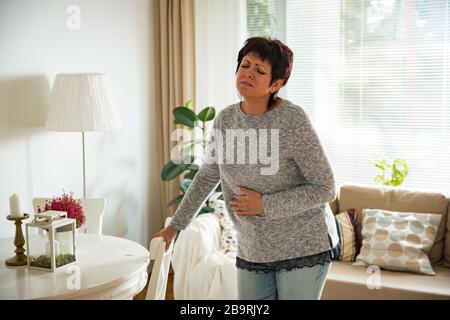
<point>228,238</point>
<point>346,226</point>
<point>398,241</point>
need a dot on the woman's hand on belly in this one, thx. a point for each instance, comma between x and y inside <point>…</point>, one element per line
<point>247,203</point>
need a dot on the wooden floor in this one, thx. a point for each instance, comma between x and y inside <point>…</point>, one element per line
<point>169,292</point>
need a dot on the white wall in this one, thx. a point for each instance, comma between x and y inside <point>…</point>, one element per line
<point>35,44</point>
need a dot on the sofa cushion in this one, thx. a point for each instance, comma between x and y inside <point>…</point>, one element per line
<point>447,240</point>
<point>397,240</point>
<point>228,237</point>
<point>346,223</point>
<point>345,281</point>
<point>396,199</point>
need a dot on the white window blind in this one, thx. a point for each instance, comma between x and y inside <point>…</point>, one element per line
<point>373,77</point>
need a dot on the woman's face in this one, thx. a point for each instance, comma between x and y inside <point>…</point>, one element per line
<point>253,77</point>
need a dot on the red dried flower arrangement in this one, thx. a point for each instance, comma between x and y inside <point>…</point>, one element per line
<point>67,203</point>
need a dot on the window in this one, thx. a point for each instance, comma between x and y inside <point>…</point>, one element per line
<point>373,77</point>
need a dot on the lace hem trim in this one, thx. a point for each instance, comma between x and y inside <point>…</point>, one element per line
<point>287,265</point>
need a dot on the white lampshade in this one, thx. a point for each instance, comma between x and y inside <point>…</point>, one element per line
<point>82,102</point>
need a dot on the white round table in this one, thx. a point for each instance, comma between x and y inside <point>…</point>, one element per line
<point>108,268</point>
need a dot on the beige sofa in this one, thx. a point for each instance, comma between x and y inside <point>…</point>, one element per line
<point>346,281</point>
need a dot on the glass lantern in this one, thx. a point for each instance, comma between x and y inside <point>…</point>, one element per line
<point>50,239</point>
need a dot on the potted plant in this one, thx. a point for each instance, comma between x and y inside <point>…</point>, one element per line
<point>393,172</point>
<point>186,166</point>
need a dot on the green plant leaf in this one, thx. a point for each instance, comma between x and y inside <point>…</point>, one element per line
<point>393,183</point>
<point>188,104</point>
<point>191,174</point>
<point>221,197</point>
<point>193,167</point>
<point>206,210</point>
<point>176,200</point>
<point>207,114</point>
<point>379,179</point>
<point>218,188</point>
<point>397,178</point>
<point>185,116</point>
<point>401,166</point>
<point>184,184</point>
<point>382,164</point>
<point>172,170</point>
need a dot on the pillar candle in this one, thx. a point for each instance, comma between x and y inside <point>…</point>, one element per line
<point>14,206</point>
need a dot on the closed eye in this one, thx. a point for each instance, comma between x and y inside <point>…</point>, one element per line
<point>245,67</point>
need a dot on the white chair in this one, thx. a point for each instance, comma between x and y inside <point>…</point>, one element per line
<point>160,272</point>
<point>94,210</point>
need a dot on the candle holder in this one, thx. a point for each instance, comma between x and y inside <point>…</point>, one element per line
<point>20,259</point>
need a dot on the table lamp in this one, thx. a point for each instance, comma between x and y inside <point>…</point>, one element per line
<point>82,102</point>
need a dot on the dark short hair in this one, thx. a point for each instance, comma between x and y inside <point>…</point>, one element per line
<point>273,51</point>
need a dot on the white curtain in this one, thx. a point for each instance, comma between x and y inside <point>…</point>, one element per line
<point>220,31</point>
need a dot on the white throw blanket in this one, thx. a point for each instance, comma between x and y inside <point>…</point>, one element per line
<point>202,270</point>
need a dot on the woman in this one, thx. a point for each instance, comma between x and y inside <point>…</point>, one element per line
<point>280,209</point>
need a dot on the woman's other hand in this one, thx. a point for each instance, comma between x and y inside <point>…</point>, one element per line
<point>168,235</point>
<point>247,203</point>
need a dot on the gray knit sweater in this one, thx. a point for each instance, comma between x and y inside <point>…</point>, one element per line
<point>294,190</point>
